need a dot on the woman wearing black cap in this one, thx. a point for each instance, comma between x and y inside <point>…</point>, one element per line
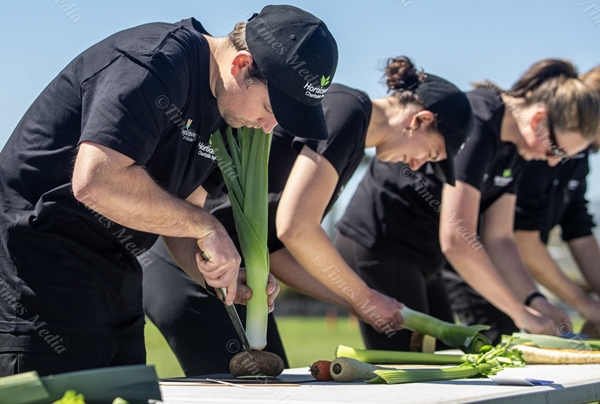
<point>550,196</point>
<point>389,233</point>
<point>425,119</point>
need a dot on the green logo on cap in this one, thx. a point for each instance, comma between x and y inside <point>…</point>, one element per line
<point>506,173</point>
<point>325,80</point>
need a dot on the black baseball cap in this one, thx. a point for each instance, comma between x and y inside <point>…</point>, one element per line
<point>453,114</point>
<point>297,54</point>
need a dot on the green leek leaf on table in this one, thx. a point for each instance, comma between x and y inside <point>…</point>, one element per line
<point>399,357</point>
<point>548,341</point>
<point>135,382</point>
<point>245,174</point>
<point>468,339</point>
<point>22,388</point>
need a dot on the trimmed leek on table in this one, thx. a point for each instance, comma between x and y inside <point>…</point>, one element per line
<point>245,175</point>
<point>548,341</point>
<point>468,339</point>
<point>489,362</point>
<point>22,388</point>
<point>135,382</point>
<point>399,357</point>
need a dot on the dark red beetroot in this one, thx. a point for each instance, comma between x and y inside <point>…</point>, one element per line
<point>256,363</point>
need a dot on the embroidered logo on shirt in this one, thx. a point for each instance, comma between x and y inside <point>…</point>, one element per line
<point>573,184</point>
<point>188,134</point>
<point>505,179</point>
<point>205,150</point>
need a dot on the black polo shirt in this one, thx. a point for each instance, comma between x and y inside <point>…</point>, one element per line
<point>143,92</point>
<point>486,162</point>
<point>550,196</point>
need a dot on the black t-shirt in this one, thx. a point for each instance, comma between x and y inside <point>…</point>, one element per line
<point>486,162</point>
<point>555,195</point>
<point>347,113</point>
<point>396,211</point>
<point>143,92</point>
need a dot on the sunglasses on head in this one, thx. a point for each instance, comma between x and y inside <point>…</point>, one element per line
<point>555,150</point>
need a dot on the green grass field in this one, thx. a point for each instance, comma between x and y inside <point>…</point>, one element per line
<point>306,339</point>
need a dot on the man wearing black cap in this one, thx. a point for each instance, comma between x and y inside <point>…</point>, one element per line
<point>115,151</point>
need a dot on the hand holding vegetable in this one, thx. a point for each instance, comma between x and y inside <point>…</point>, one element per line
<point>244,293</point>
<point>535,322</point>
<point>590,310</point>
<point>379,311</point>
<point>553,313</point>
<point>221,269</point>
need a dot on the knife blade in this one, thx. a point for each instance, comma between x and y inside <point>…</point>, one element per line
<point>233,315</point>
<point>235,319</point>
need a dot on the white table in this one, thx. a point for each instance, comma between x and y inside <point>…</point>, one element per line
<point>572,384</point>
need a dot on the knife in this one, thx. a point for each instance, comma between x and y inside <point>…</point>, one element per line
<point>233,315</point>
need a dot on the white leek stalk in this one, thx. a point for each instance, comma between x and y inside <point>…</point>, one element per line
<point>245,174</point>
<point>399,357</point>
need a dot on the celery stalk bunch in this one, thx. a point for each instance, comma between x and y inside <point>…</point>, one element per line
<point>489,361</point>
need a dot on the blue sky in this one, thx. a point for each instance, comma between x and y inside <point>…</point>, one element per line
<point>463,41</point>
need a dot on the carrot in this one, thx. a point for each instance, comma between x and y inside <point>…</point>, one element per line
<point>320,371</point>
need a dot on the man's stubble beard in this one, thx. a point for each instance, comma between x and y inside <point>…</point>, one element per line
<point>230,117</point>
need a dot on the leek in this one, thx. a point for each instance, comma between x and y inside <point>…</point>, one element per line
<point>22,388</point>
<point>399,357</point>
<point>468,339</point>
<point>245,175</point>
<point>135,382</point>
<point>489,362</point>
<point>132,382</point>
<point>548,341</point>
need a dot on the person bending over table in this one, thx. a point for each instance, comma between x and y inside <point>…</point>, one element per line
<point>550,196</point>
<point>116,151</point>
<point>390,233</point>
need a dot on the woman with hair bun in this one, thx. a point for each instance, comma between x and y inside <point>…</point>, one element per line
<point>402,225</point>
<point>550,196</point>
<point>425,118</point>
